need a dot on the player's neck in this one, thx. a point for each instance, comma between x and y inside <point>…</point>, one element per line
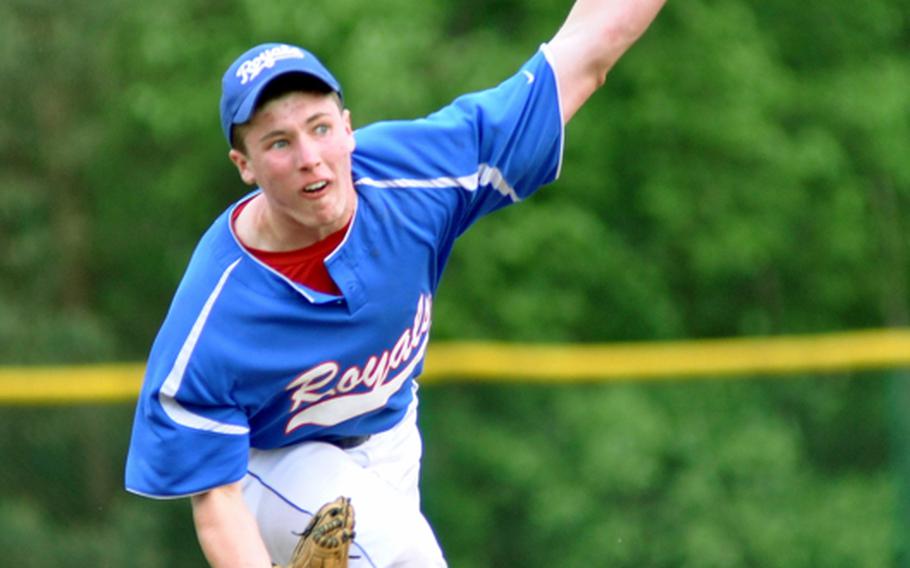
<point>259,227</point>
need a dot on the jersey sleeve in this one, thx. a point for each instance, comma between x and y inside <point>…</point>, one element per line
<point>495,147</point>
<point>188,434</point>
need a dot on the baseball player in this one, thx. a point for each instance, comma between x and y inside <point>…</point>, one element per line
<point>285,372</point>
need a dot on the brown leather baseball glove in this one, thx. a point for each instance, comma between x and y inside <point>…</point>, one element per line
<point>326,540</point>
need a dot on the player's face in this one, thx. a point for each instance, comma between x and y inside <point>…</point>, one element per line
<point>298,150</point>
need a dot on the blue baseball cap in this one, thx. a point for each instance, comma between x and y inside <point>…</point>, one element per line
<point>245,79</point>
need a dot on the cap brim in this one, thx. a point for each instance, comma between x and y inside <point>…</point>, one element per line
<point>245,110</point>
<point>248,106</point>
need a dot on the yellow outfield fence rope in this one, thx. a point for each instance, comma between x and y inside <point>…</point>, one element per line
<point>70,384</point>
<point>488,362</point>
<point>716,358</point>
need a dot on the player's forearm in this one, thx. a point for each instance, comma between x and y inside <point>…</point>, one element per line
<point>227,531</point>
<point>593,37</point>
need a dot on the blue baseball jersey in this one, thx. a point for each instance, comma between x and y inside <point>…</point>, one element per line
<point>247,358</point>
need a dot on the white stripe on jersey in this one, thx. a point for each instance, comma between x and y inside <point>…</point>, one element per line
<point>171,384</point>
<point>485,175</point>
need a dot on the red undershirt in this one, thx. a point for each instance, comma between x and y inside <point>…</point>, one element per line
<point>306,265</point>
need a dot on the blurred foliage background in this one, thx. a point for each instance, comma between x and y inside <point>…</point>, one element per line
<point>743,172</point>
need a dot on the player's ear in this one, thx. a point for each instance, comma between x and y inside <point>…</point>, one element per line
<point>243,166</point>
<point>348,129</point>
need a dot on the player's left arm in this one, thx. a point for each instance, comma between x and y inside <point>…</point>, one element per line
<point>591,40</point>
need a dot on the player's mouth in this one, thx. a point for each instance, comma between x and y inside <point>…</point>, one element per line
<point>315,188</point>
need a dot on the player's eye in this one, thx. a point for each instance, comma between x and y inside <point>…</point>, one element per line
<point>278,144</point>
<point>321,129</point>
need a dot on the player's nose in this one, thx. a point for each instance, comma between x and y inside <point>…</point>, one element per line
<point>307,155</point>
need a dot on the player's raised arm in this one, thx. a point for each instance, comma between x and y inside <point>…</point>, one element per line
<point>594,36</point>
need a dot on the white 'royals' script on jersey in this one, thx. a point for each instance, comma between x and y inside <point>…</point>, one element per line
<point>335,405</point>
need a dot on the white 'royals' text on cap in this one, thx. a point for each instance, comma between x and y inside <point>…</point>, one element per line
<point>245,79</point>
<point>250,68</point>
